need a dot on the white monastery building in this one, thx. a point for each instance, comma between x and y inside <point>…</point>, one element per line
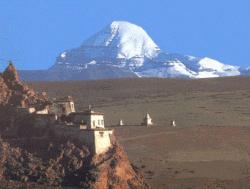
<point>92,130</point>
<point>90,119</point>
<point>63,106</point>
<point>88,126</point>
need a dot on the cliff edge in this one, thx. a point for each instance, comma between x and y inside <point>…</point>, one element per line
<point>52,161</point>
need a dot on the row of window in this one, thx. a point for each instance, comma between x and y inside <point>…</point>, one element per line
<point>99,122</point>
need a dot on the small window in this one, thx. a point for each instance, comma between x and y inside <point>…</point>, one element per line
<point>99,122</point>
<point>101,133</point>
<point>63,110</point>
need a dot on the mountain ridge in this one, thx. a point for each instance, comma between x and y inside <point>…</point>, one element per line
<point>123,49</point>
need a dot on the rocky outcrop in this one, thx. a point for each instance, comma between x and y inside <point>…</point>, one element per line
<point>113,170</point>
<point>10,75</point>
<point>61,163</point>
<point>13,94</point>
<point>19,93</point>
<point>49,161</point>
<point>4,91</point>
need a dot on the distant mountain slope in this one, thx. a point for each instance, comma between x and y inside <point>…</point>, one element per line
<point>123,49</point>
<point>60,72</point>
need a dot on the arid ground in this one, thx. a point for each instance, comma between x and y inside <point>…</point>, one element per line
<point>209,148</point>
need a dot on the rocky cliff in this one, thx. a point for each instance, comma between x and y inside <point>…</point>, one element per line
<point>52,161</point>
<point>13,94</point>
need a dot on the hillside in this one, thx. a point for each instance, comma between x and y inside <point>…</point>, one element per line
<point>209,148</point>
<point>218,101</point>
<point>38,156</point>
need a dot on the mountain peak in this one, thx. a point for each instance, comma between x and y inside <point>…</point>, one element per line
<point>124,49</point>
<point>126,39</point>
<point>118,23</point>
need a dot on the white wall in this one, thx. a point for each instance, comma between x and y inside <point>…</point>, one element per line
<point>97,141</point>
<point>97,121</point>
<point>102,141</point>
<point>44,111</point>
<point>72,107</point>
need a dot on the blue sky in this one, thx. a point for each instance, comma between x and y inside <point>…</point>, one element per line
<point>34,32</point>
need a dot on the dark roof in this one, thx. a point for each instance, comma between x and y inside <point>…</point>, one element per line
<point>64,99</point>
<point>42,115</point>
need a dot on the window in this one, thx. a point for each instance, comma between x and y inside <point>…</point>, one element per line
<point>101,133</point>
<point>99,122</point>
<point>63,110</point>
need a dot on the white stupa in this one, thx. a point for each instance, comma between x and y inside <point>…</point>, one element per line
<point>173,123</point>
<point>121,122</point>
<point>147,120</point>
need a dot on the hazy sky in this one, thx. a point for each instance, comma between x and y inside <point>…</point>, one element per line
<point>34,32</point>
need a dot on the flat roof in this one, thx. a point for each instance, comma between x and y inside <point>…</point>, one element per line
<point>64,99</point>
<point>88,112</point>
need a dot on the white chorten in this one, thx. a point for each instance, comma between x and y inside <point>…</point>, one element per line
<point>147,120</point>
<point>121,122</point>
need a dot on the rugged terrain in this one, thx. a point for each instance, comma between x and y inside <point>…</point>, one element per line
<point>209,148</point>
<point>13,94</point>
<point>37,157</point>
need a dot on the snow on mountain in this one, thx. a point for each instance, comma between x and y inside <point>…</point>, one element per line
<point>128,49</point>
<point>129,40</point>
<point>213,68</point>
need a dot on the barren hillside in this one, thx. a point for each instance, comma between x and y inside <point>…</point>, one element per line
<point>220,101</point>
<point>209,148</point>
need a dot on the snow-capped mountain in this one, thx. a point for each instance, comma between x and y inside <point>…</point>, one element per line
<point>123,49</point>
<point>124,41</point>
<point>121,44</point>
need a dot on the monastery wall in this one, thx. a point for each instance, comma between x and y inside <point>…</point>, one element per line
<point>102,140</point>
<point>98,141</point>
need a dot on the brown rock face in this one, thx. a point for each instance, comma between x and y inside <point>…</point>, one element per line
<point>10,75</point>
<point>113,170</point>
<point>13,94</point>
<point>51,161</point>
<point>65,164</point>
<point>57,165</point>
<point>17,93</point>
<point>4,91</point>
